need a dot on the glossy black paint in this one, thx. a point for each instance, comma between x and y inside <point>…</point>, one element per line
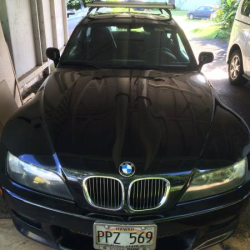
<point>63,225</point>
<point>150,118</point>
<point>205,58</point>
<point>85,122</point>
<point>54,55</point>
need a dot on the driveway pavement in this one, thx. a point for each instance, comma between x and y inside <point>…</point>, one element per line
<point>237,98</point>
<point>10,239</point>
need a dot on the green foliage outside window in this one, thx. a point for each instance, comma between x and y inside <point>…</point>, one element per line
<point>226,14</point>
<point>73,4</point>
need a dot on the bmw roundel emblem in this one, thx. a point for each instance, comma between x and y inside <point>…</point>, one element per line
<point>127,169</point>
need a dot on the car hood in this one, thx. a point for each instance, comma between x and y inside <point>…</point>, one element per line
<point>92,121</point>
<point>116,116</point>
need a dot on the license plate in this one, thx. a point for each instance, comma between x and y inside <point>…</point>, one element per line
<point>124,237</point>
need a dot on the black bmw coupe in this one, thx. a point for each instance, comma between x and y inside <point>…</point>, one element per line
<point>126,145</point>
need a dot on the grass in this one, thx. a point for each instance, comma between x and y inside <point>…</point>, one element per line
<point>204,29</point>
<point>179,13</point>
<point>211,32</point>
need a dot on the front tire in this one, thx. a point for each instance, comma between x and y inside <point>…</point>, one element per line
<point>235,69</point>
<point>191,17</point>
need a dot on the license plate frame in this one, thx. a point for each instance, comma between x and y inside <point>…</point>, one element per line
<point>134,228</point>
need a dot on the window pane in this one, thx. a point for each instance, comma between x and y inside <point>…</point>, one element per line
<point>201,8</point>
<point>128,46</point>
<point>246,8</point>
<point>183,51</point>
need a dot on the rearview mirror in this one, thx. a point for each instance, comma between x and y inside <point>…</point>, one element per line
<point>204,58</point>
<point>54,55</point>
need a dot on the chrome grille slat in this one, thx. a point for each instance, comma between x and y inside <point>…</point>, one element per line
<point>93,184</point>
<point>100,180</point>
<point>144,194</point>
<point>118,194</point>
<point>107,190</point>
<point>137,201</point>
<point>148,194</point>
<point>158,195</point>
<point>104,192</point>
<point>155,181</point>
<point>141,196</point>
<point>151,193</point>
<point>104,184</point>
<point>97,193</point>
<point>111,197</point>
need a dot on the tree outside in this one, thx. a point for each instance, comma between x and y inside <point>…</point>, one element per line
<point>74,4</point>
<point>226,14</point>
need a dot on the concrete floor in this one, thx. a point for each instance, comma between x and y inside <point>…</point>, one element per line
<point>237,98</point>
<point>10,239</point>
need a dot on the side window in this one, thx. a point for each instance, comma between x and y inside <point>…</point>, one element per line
<point>246,8</point>
<point>78,45</point>
<point>201,9</point>
<point>185,57</point>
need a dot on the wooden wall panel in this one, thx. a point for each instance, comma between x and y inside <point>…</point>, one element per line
<point>7,103</point>
<point>6,69</point>
<point>45,23</point>
<point>57,23</point>
<point>9,94</point>
<point>22,38</point>
<point>30,27</point>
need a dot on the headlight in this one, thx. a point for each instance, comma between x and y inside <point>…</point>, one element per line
<point>36,178</point>
<point>217,181</point>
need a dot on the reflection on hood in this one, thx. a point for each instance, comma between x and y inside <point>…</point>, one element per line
<point>143,116</point>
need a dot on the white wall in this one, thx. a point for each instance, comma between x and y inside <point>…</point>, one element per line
<point>7,75</point>
<point>45,26</point>
<point>22,38</point>
<point>194,4</point>
<point>30,27</point>
<point>57,23</point>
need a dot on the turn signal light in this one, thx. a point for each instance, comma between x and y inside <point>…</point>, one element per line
<point>1,192</point>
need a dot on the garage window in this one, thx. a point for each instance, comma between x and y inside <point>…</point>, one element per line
<point>246,8</point>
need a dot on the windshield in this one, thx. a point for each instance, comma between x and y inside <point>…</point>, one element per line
<point>134,46</point>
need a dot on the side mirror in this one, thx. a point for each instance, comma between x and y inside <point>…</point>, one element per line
<point>54,55</point>
<point>204,58</point>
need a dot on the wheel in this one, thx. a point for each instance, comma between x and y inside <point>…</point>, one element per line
<point>235,69</point>
<point>191,16</point>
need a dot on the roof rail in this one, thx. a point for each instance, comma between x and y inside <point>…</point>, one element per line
<point>143,5</point>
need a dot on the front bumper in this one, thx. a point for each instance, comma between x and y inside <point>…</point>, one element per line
<point>193,225</point>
